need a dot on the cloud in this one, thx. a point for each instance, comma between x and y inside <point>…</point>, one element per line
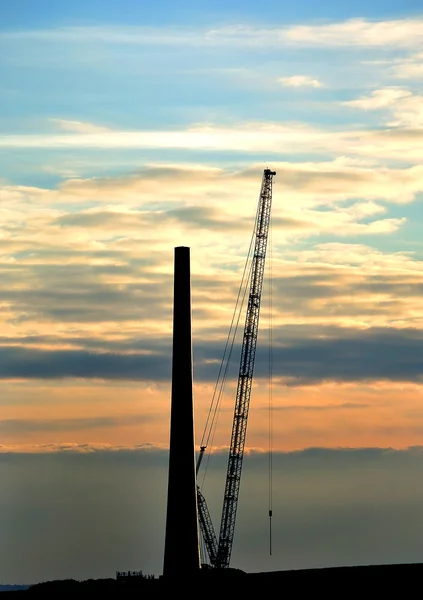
<point>78,126</point>
<point>321,407</point>
<point>360,32</point>
<point>405,107</point>
<point>205,137</point>
<point>86,266</point>
<point>353,356</point>
<point>346,354</point>
<point>93,280</point>
<point>398,140</point>
<point>39,364</point>
<point>380,99</point>
<point>410,67</point>
<point>190,216</point>
<point>29,426</point>
<point>150,452</point>
<point>398,33</point>
<point>300,81</point>
<point>207,197</point>
<point>340,178</point>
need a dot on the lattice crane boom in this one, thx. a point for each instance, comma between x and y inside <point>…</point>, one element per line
<point>220,552</point>
<point>245,376</point>
<point>204,518</point>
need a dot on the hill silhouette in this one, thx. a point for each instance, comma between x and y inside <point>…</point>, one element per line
<point>334,582</point>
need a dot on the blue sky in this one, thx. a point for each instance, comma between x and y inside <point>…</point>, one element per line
<point>24,14</point>
<point>129,128</point>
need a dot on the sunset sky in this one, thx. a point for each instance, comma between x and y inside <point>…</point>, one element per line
<point>128,128</point>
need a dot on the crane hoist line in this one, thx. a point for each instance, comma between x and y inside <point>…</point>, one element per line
<point>220,551</point>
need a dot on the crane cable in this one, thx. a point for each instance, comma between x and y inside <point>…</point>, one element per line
<point>270,388</point>
<point>212,417</point>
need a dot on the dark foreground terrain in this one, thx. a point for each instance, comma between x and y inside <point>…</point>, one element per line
<point>338,582</point>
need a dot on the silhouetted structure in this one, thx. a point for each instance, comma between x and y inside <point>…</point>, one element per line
<point>130,576</point>
<point>182,547</point>
<point>220,551</point>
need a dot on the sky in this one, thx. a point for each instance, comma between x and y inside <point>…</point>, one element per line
<point>130,128</point>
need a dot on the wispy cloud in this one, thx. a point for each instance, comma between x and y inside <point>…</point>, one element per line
<point>353,32</point>
<point>207,137</point>
<point>380,99</point>
<point>264,137</point>
<point>20,426</point>
<point>410,67</point>
<point>151,452</point>
<point>78,126</point>
<point>300,81</point>
<point>320,407</point>
<point>406,108</point>
<point>360,32</point>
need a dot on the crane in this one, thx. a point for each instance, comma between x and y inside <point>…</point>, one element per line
<point>220,551</point>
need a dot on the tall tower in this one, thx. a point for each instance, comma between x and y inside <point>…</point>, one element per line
<point>182,548</point>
